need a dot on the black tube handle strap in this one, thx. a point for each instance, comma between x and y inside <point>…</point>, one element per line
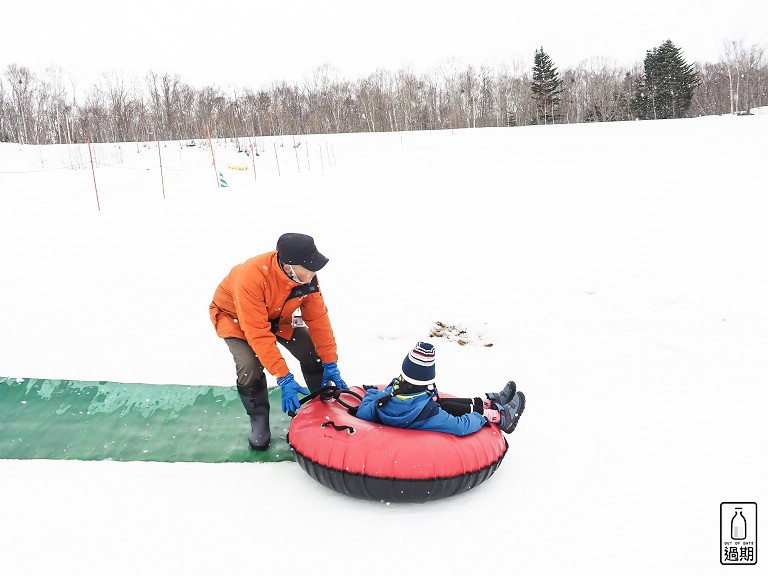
<point>350,430</point>
<point>331,392</point>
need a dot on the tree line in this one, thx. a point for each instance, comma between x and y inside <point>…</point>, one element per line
<point>44,109</point>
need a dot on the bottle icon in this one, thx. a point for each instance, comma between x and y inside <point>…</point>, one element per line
<point>738,525</point>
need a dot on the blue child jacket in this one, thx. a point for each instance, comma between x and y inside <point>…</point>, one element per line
<point>405,411</point>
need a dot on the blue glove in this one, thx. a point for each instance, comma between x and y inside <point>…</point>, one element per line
<point>331,374</point>
<point>290,389</point>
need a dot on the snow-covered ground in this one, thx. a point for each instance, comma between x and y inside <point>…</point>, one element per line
<point>619,270</point>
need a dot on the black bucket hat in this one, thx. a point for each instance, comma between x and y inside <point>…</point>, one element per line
<point>300,249</point>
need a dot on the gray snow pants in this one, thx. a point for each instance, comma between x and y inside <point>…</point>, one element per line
<point>250,371</point>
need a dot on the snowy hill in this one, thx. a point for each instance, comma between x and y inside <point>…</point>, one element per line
<point>618,270</point>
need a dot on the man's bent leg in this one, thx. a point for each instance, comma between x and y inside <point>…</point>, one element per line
<point>252,388</point>
<point>301,347</point>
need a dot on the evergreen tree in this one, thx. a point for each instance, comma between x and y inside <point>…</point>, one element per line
<point>640,101</point>
<point>546,87</point>
<point>666,87</point>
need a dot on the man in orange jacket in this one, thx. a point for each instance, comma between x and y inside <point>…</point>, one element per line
<point>269,299</point>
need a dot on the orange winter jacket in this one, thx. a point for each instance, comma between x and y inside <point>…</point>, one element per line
<point>256,301</point>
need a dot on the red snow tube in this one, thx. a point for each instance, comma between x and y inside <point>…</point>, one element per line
<point>378,462</point>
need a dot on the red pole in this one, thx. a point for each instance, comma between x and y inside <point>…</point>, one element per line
<point>162,178</point>
<point>276,158</point>
<point>215,171</point>
<point>93,170</point>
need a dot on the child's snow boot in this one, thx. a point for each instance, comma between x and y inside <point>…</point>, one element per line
<point>504,396</point>
<point>510,413</point>
<point>257,407</point>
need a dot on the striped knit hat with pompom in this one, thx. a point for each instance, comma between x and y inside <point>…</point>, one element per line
<point>419,365</point>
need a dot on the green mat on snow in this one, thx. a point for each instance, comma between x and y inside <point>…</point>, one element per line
<point>75,420</point>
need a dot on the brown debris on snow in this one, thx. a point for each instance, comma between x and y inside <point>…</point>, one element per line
<point>457,334</point>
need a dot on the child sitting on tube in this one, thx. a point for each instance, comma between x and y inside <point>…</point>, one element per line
<point>411,401</point>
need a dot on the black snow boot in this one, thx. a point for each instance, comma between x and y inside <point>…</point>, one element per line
<point>511,412</point>
<point>504,396</point>
<point>257,407</point>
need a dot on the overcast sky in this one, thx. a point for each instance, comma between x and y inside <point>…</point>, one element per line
<point>251,43</point>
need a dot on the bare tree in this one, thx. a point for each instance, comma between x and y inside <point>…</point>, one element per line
<point>745,80</point>
<point>5,114</point>
<point>514,93</point>
<point>62,107</point>
<point>119,99</point>
<point>23,83</point>
<point>594,91</point>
